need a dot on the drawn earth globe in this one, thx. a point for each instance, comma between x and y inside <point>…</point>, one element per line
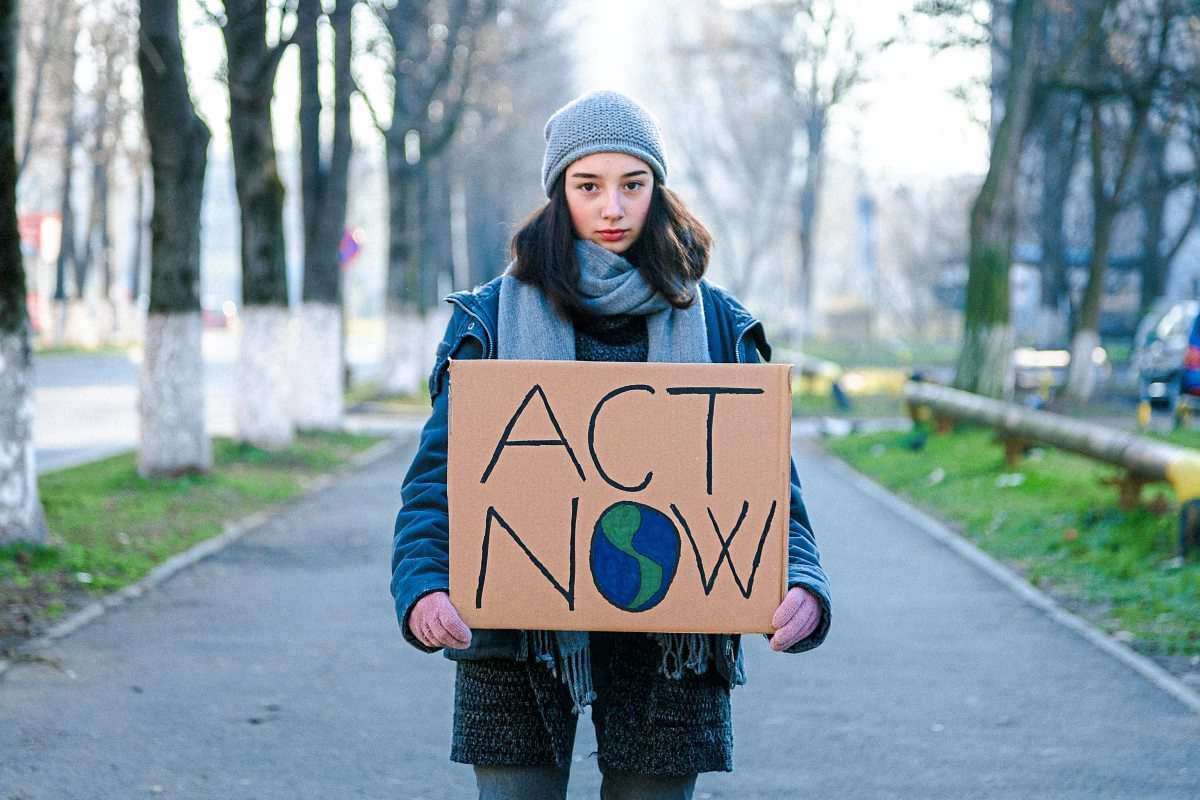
<point>634,555</point>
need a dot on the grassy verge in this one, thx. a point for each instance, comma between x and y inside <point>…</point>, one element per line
<point>109,527</point>
<point>370,398</point>
<point>77,350</point>
<point>872,392</point>
<point>861,406</point>
<point>1057,525</point>
<point>878,353</point>
<point>1184,437</point>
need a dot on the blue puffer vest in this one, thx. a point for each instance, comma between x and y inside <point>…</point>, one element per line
<point>420,547</point>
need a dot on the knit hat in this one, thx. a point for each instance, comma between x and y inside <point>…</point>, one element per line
<point>601,122</point>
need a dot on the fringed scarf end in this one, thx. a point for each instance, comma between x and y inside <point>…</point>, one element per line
<point>569,658</point>
<point>577,675</point>
<point>682,651</point>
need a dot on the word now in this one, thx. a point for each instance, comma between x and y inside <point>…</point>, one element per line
<point>707,576</point>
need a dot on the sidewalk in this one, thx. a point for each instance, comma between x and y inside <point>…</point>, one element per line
<point>275,669</point>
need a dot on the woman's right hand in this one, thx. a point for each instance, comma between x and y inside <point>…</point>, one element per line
<point>435,622</point>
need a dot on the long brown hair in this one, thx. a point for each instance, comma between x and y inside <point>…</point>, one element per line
<point>671,252</point>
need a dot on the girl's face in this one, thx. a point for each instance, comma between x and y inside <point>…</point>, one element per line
<point>608,195</point>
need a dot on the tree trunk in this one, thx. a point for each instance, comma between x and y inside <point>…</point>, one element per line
<point>1081,374</point>
<point>171,405</point>
<point>402,359</point>
<point>436,237</point>
<point>21,516</point>
<point>51,17</point>
<point>317,400</point>
<point>425,73</point>
<point>318,393</point>
<point>985,361</point>
<point>263,358</point>
<point>137,255</point>
<point>98,243</point>
<point>810,192</point>
<point>308,12</point>
<point>66,248</point>
<point>1154,203</point>
<point>1059,145</point>
<point>262,410</point>
<point>487,242</point>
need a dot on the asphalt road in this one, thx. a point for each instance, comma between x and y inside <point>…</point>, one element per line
<point>275,670</point>
<point>85,404</point>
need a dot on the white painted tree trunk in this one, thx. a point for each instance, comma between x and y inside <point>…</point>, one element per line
<point>81,328</point>
<point>1082,374</point>
<point>985,362</point>
<point>262,395</point>
<point>401,353</point>
<point>317,391</point>
<point>410,346</point>
<point>171,398</point>
<point>21,517</point>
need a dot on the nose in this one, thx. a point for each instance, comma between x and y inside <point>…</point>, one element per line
<point>612,208</point>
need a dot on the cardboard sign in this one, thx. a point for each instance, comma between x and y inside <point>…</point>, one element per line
<point>618,496</point>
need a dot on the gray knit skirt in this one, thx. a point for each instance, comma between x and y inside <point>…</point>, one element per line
<point>514,713</point>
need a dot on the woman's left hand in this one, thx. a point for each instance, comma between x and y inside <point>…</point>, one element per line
<point>797,616</point>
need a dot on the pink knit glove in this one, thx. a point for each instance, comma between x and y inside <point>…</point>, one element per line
<point>436,623</point>
<point>797,616</point>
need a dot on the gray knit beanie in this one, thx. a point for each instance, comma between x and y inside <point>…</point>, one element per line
<point>601,122</point>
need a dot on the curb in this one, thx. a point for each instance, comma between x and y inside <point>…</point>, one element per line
<point>233,531</point>
<point>942,533</point>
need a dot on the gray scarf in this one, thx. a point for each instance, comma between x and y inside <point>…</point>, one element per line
<point>531,328</point>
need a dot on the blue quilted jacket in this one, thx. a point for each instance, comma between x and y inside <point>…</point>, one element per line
<point>420,547</point>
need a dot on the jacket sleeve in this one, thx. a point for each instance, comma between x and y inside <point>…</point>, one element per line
<point>421,544</point>
<point>804,558</point>
<point>804,566</point>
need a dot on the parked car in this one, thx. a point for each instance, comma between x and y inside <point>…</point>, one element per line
<point>1166,354</point>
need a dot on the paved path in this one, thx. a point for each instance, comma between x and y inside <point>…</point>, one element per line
<point>275,670</point>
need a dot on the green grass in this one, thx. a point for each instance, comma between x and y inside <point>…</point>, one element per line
<point>1060,528</point>
<point>877,353</point>
<point>1184,437</point>
<point>109,526</point>
<point>77,350</point>
<point>869,405</point>
<point>372,398</point>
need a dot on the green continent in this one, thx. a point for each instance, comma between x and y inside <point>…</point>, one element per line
<point>619,525</point>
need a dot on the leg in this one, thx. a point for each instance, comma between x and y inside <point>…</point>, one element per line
<point>620,785</point>
<point>653,726</point>
<point>522,783</point>
<point>510,714</point>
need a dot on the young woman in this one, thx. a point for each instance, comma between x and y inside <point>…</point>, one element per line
<point>609,269</point>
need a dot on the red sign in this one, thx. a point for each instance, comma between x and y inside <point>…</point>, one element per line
<point>349,247</point>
